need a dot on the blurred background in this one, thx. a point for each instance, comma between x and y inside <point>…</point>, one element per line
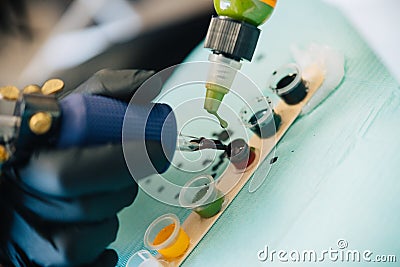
<point>72,39</point>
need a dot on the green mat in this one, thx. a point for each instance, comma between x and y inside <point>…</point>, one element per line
<point>337,174</point>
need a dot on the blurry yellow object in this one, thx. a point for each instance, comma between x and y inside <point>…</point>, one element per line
<point>31,89</point>
<point>9,92</point>
<point>3,154</point>
<point>40,123</point>
<point>52,86</point>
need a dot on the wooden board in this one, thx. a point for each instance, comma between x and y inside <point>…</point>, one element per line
<point>197,227</point>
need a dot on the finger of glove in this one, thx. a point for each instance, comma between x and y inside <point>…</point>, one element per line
<point>120,84</point>
<point>89,208</point>
<point>81,243</point>
<point>63,244</point>
<point>17,258</point>
<point>109,258</point>
<point>75,172</point>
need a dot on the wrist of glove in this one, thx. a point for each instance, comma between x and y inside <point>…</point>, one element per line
<point>60,209</point>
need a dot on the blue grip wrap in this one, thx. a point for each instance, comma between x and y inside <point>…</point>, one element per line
<point>93,119</point>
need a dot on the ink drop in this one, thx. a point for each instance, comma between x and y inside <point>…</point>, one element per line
<point>223,123</point>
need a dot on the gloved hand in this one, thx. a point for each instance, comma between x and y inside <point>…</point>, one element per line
<point>60,208</point>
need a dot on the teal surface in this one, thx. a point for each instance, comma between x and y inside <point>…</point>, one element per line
<point>338,170</point>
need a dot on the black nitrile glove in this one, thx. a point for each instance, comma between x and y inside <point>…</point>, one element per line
<point>60,209</point>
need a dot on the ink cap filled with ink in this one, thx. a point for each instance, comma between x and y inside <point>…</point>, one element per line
<point>166,236</point>
<point>288,84</point>
<point>240,154</point>
<point>259,116</point>
<point>201,195</point>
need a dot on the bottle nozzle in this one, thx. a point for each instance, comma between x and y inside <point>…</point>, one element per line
<point>220,79</point>
<point>213,99</point>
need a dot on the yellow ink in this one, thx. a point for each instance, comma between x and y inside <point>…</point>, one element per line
<point>177,246</point>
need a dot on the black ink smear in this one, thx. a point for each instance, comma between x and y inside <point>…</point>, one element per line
<point>224,135</point>
<point>273,160</point>
<point>161,189</point>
